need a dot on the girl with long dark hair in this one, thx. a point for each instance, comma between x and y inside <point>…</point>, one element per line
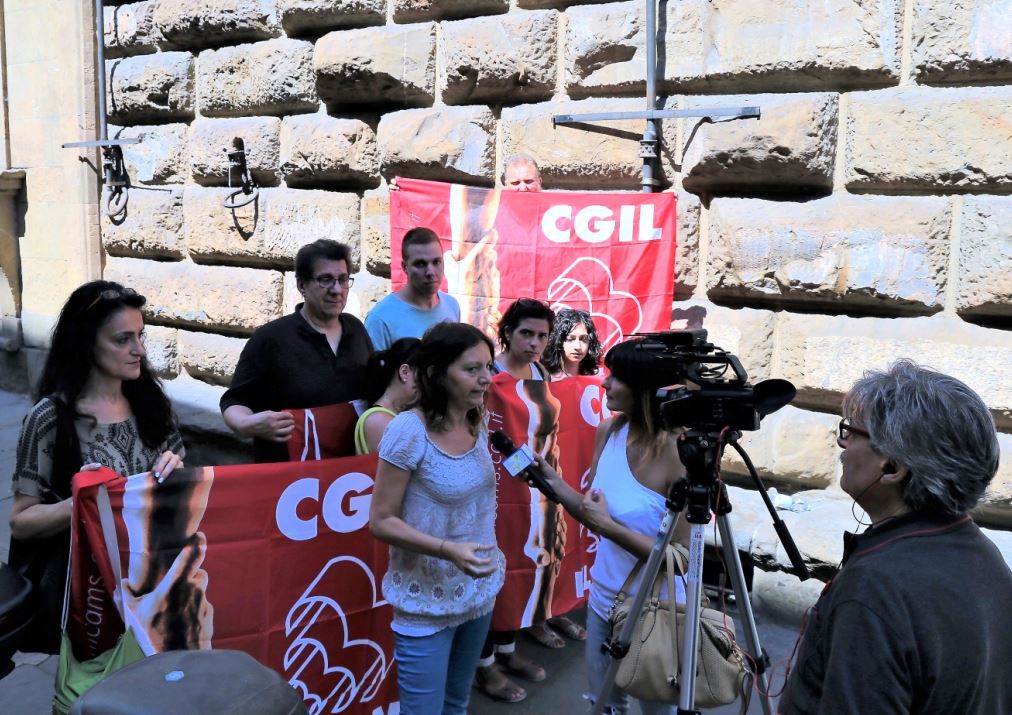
<point>573,347</point>
<point>434,503</point>
<point>98,404</point>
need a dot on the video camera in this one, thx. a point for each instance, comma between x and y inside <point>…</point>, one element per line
<point>710,399</point>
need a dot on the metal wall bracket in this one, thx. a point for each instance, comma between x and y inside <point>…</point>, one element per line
<point>706,112</point>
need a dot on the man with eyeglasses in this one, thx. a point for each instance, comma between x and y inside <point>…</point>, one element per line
<point>917,620</point>
<point>419,303</point>
<point>315,356</point>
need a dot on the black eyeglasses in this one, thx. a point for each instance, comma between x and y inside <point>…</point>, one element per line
<point>328,281</point>
<point>846,430</point>
<point>112,294</point>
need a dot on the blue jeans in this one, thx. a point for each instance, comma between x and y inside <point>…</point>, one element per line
<point>434,673</point>
<point>598,630</point>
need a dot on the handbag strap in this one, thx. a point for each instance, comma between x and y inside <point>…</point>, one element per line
<point>674,560</point>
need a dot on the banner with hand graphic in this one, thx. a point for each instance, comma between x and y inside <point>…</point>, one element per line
<point>612,255</point>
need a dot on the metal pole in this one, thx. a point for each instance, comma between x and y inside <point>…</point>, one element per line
<point>648,145</point>
<point>100,69</point>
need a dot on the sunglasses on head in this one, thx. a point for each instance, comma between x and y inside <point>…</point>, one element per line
<point>112,294</point>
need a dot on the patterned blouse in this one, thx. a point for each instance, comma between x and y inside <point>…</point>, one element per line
<point>117,446</point>
<point>449,497</point>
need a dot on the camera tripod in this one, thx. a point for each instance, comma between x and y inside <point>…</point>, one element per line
<point>698,495</point>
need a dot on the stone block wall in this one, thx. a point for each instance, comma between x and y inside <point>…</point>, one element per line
<point>866,216</point>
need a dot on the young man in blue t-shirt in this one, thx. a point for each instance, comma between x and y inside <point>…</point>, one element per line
<point>410,310</point>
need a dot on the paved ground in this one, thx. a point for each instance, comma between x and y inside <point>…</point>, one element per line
<point>28,689</point>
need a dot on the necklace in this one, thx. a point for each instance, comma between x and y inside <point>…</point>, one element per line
<point>313,323</point>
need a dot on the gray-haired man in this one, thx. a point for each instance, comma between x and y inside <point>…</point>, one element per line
<point>917,620</point>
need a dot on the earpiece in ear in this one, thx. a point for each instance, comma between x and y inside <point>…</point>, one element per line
<point>888,468</point>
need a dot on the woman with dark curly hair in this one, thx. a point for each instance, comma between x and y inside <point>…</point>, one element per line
<point>573,347</point>
<point>98,404</point>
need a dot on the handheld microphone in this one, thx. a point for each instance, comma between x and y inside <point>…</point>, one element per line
<point>521,461</point>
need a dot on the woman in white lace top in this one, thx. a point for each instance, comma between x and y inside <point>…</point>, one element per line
<point>434,503</point>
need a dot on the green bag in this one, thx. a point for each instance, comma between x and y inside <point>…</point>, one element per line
<point>74,677</point>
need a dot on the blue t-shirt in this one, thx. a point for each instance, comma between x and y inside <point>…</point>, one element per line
<point>394,318</point>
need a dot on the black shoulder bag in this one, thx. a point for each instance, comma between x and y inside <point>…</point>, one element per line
<point>44,561</point>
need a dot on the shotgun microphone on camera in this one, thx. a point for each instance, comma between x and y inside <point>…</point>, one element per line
<point>520,461</point>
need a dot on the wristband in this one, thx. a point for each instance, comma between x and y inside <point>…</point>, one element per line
<point>441,545</point>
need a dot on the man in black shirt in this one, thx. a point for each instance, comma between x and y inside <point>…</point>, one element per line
<point>917,620</point>
<point>315,356</point>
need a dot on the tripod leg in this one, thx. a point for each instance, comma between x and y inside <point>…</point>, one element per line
<point>745,605</point>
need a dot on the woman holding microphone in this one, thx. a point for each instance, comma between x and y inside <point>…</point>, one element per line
<point>434,503</point>
<point>635,463</point>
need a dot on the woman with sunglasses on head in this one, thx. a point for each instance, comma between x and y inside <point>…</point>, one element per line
<point>98,404</point>
<point>573,347</point>
<point>390,377</point>
<point>635,463</point>
<point>434,503</point>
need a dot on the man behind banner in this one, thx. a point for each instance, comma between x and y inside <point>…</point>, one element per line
<point>917,620</point>
<point>419,303</point>
<point>315,356</point>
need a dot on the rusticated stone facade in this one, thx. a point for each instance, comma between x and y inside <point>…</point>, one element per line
<point>866,216</point>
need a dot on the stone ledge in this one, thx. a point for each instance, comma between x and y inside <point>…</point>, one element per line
<point>521,70</point>
<point>818,533</point>
<point>929,139</point>
<point>314,16</point>
<point>187,295</point>
<point>212,139</point>
<point>880,253</point>
<point>150,87</point>
<point>268,232</point>
<point>391,65</point>
<point>791,147</point>
<point>824,355</point>
<point>985,257</point>
<point>197,24</point>
<point>272,77</point>
<point>196,405</point>
<point>454,144</point>
<point>960,42</point>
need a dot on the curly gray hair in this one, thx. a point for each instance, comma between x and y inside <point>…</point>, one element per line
<point>934,425</point>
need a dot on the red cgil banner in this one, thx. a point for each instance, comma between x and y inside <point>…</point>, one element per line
<point>548,553</point>
<point>272,559</point>
<point>276,559</point>
<point>612,255</point>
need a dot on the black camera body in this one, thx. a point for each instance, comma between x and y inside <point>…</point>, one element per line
<point>713,392</point>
